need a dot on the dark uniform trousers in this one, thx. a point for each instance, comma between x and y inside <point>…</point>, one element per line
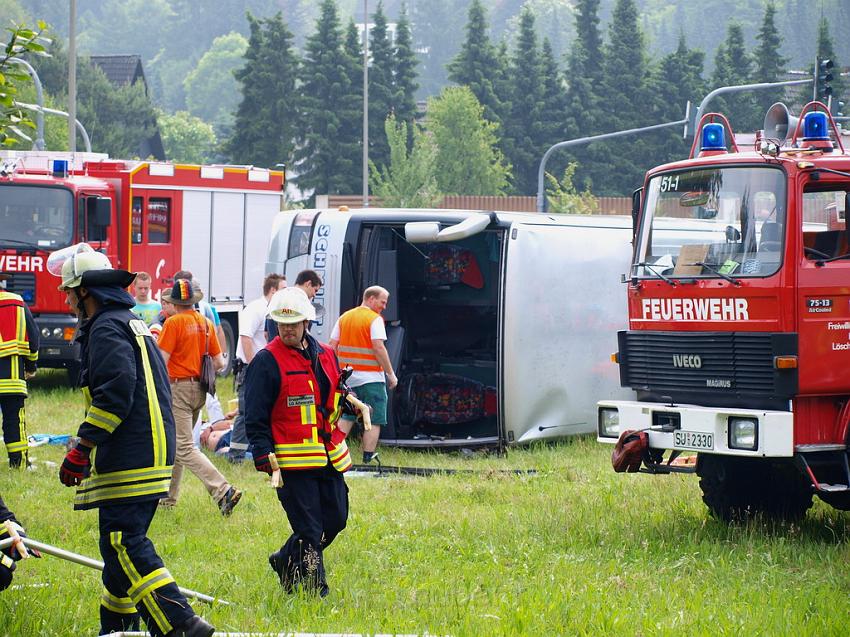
<point>14,428</point>
<point>316,505</point>
<point>134,579</point>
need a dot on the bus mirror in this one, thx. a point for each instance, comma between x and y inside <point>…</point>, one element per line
<point>99,211</point>
<point>473,224</point>
<point>421,231</point>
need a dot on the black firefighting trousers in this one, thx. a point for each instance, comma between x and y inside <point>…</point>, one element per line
<point>135,582</point>
<point>316,505</point>
<point>14,429</point>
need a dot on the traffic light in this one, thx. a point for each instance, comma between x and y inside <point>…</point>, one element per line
<point>823,80</point>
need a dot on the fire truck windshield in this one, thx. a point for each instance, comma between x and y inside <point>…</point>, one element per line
<point>36,216</point>
<point>712,222</point>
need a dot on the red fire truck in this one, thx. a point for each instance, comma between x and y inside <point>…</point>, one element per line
<point>155,217</point>
<point>739,319</point>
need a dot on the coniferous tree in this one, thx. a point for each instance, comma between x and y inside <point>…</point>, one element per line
<point>380,87</point>
<point>621,164</point>
<point>404,72</point>
<point>351,113</point>
<point>477,64</point>
<point>553,107</point>
<point>323,165</point>
<point>826,51</point>
<point>769,62</point>
<point>522,137</point>
<point>587,32</point>
<point>733,67</point>
<point>265,126</point>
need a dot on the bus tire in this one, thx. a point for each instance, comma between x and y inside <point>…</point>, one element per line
<point>228,348</point>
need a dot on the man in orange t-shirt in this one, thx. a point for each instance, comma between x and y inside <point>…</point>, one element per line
<point>186,337</point>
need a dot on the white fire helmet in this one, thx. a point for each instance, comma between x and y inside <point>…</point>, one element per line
<point>291,305</point>
<point>70,263</point>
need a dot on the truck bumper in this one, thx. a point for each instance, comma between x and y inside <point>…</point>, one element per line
<point>56,351</point>
<point>732,432</point>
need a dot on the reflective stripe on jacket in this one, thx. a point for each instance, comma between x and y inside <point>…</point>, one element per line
<point>303,425</point>
<point>128,411</point>
<point>18,339</point>
<point>355,340</point>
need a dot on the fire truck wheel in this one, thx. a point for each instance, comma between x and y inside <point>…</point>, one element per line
<point>741,488</point>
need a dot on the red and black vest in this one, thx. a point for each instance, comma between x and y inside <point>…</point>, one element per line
<point>300,421</point>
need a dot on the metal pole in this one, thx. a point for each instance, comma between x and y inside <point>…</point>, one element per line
<point>742,87</point>
<point>72,78</point>
<point>39,96</point>
<point>541,170</point>
<point>53,111</point>
<point>95,564</point>
<point>365,103</point>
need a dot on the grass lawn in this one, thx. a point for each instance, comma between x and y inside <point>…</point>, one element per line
<point>573,550</point>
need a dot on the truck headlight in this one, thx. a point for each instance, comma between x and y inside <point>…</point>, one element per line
<point>743,433</point>
<point>609,422</point>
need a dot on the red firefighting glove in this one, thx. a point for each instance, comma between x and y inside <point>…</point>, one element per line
<point>75,466</point>
<point>263,463</point>
<point>7,567</point>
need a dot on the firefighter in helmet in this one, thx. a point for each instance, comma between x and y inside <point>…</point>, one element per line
<point>292,397</point>
<point>128,421</point>
<point>18,356</point>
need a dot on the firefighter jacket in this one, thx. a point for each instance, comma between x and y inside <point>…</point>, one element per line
<point>128,408</point>
<point>18,344</point>
<point>355,340</point>
<point>293,404</point>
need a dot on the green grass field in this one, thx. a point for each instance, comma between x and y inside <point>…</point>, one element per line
<point>573,550</point>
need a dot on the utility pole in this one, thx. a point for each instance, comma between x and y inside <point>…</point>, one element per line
<point>72,78</point>
<point>365,103</point>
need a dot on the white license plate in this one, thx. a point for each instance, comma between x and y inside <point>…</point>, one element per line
<point>693,440</point>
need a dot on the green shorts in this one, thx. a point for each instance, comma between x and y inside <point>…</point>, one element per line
<point>374,395</point>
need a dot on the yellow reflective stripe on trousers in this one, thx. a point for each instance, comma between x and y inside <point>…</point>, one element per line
<point>121,605</point>
<point>160,447</point>
<point>102,418</point>
<point>150,582</point>
<point>137,581</point>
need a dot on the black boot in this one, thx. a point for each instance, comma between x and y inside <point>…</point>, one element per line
<point>195,626</point>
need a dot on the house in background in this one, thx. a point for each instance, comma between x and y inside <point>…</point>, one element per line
<point>127,69</point>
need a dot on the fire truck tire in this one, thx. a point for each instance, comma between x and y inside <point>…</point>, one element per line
<point>737,489</point>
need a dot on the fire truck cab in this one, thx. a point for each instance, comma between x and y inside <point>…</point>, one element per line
<point>739,321</point>
<point>145,216</point>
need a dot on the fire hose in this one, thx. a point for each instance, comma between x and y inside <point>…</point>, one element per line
<point>87,561</point>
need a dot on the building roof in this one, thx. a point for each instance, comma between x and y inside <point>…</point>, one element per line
<point>121,69</point>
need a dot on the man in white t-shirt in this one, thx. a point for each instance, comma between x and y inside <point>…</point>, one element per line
<point>358,339</point>
<point>252,338</point>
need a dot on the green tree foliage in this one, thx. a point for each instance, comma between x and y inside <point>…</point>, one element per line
<point>323,162</point>
<point>588,34</point>
<point>404,71</point>
<point>212,92</point>
<point>769,62</point>
<point>523,141</point>
<point>469,161</point>
<point>438,22</point>
<point>20,42</point>
<point>187,139</point>
<point>408,180</point>
<point>477,64</point>
<point>826,51</point>
<point>381,91</point>
<point>563,197</point>
<point>351,115</point>
<point>117,119</point>
<point>620,166</point>
<point>553,124</point>
<point>265,125</point>
<point>732,67</point>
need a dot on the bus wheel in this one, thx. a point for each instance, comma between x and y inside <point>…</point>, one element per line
<point>228,348</point>
<point>741,488</point>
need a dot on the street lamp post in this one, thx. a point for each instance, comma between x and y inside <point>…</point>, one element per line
<point>365,103</point>
<point>72,78</point>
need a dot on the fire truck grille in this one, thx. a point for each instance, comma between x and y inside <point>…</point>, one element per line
<point>22,283</point>
<point>694,364</point>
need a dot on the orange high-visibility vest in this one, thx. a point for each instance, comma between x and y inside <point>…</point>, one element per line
<point>355,340</point>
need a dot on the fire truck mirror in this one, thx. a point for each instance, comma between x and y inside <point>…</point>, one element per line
<point>98,212</point>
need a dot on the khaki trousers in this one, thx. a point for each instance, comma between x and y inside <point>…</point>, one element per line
<point>187,399</point>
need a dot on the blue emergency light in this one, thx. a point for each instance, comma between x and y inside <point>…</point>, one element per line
<point>713,137</point>
<point>815,127</point>
<point>60,167</point>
